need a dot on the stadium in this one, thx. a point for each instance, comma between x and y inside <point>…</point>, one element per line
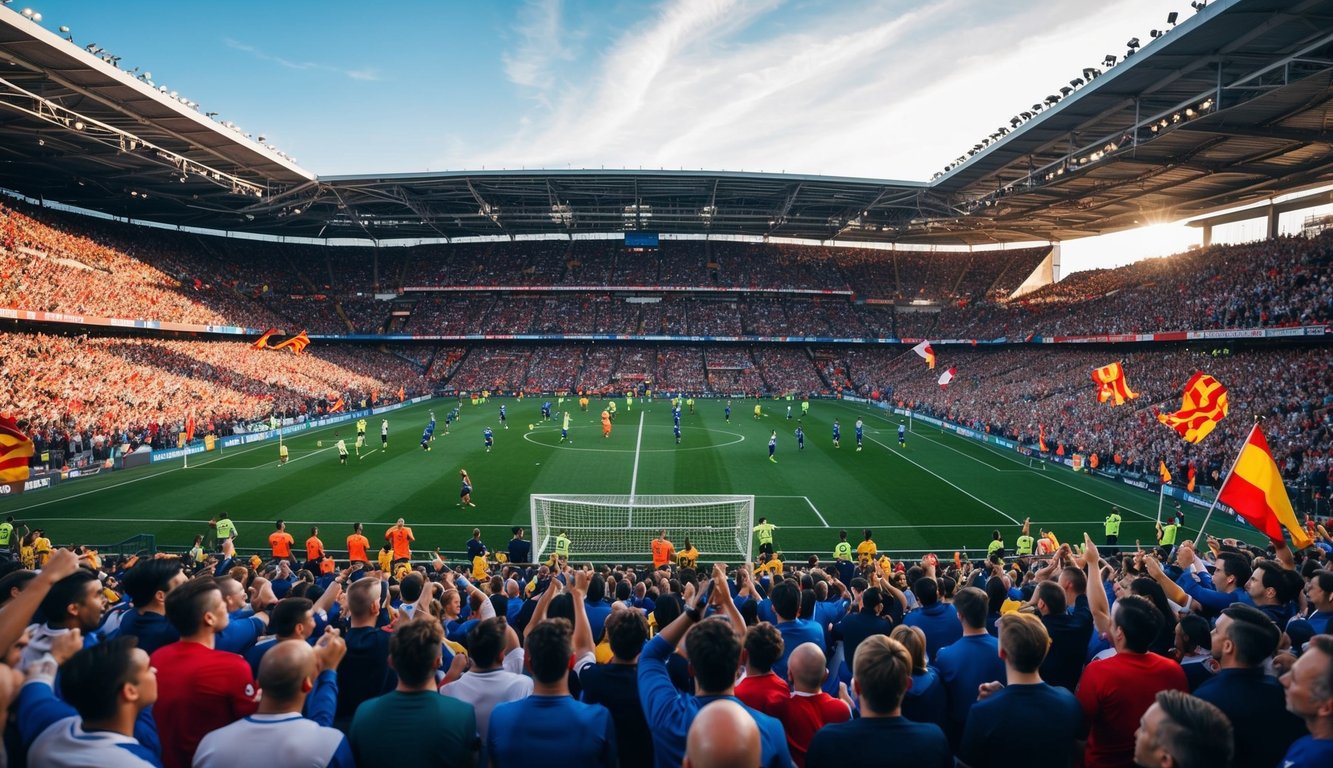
<point>209,350</point>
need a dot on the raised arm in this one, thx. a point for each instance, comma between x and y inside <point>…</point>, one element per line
<point>1097,602</point>
<point>583,642</point>
<point>18,612</point>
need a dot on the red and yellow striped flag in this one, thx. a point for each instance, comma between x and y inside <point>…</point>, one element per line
<point>1204,404</point>
<point>296,344</point>
<point>1255,490</point>
<point>15,450</point>
<point>1111,384</point>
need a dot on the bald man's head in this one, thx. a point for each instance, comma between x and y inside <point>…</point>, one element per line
<point>723,735</point>
<point>807,668</point>
<point>286,668</point>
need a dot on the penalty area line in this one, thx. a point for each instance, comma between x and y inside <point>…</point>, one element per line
<point>949,483</point>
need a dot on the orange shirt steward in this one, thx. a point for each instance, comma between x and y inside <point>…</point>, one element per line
<point>281,543</point>
<point>356,548</point>
<point>401,539</point>
<point>314,548</point>
<point>663,553</point>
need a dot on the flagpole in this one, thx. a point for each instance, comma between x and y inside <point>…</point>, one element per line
<point>1161,495</point>
<point>1222,487</point>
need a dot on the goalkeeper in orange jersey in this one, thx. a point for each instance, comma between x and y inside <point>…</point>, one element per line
<point>606,423</point>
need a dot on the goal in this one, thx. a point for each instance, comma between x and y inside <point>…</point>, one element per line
<point>621,528</point>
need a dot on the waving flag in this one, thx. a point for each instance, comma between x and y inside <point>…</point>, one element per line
<point>1189,486</point>
<point>1164,472</point>
<point>402,393</point>
<point>189,428</point>
<point>1255,490</point>
<point>263,340</point>
<point>947,377</point>
<point>1041,438</point>
<point>1204,404</point>
<point>296,344</point>
<point>15,450</point>
<point>1111,383</point>
<point>924,351</point>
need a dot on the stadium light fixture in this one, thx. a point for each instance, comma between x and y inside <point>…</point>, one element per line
<point>1109,60</point>
<point>1133,43</point>
<point>1171,18</point>
<point>1199,5</point>
<point>1065,90</point>
<point>1156,33</point>
<point>1076,82</point>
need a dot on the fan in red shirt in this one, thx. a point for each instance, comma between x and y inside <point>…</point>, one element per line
<point>1115,692</point>
<point>200,689</point>
<point>809,708</point>
<point>761,689</point>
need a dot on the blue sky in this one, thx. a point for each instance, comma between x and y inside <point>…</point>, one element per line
<point>870,88</point>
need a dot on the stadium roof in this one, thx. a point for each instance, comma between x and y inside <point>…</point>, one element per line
<point>1226,108</point>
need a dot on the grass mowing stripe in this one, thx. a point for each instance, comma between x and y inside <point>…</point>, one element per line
<point>947,482</point>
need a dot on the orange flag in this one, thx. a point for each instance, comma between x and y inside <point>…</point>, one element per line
<point>15,450</point>
<point>1163,472</point>
<point>1111,383</point>
<point>1041,438</point>
<point>1203,405</point>
<point>1189,486</point>
<point>263,340</point>
<point>1255,490</point>
<point>296,344</point>
<point>402,394</point>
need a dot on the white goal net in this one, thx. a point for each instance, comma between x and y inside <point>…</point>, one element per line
<point>621,528</point>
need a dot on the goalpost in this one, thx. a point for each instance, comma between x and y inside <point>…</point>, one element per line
<point>621,528</point>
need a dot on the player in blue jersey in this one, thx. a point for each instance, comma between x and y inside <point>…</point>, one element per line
<point>546,410</point>
<point>427,435</point>
<point>773,447</point>
<point>503,420</point>
<point>677,428</point>
<point>449,419</point>
<point>489,437</point>
<point>902,434</point>
<point>465,492</point>
<point>860,432</point>
<point>837,434</point>
<point>726,411</point>
<point>800,438</point>
<point>675,416</point>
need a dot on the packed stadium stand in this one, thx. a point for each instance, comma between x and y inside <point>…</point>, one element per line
<point>119,338</point>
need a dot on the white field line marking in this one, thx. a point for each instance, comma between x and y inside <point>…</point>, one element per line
<point>816,511</point>
<point>474,525</point>
<point>947,482</point>
<point>127,482</point>
<point>634,478</point>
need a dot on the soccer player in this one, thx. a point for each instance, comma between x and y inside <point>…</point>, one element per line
<point>677,429</point>
<point>788,411</point>
<point>805,408</point>
<point>764,533</point>
<point>837,434</point>
<point>360,435</point>
<point>860,433</point>
<point>773,447</point>
<point>611,407</point>
<point>489,437</point>
<point>675,415</point>
<point>606,424</point>
<point>902,435</point>
<point>663,551</point>
<point>564,429</point>
<point>342,450</point>
<point>384,434</point>
<point>282,454</point>
<point>449,419</point>
<point>758,411</point>
<point>428,434</point>
<point>546,410</point>
<point>690,402</point>
<point>726,412</point>
<point>800,438</point>
<point>503,420</point>
<point>465,493</point>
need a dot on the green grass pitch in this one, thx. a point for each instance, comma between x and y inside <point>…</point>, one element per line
<point>941,493</point>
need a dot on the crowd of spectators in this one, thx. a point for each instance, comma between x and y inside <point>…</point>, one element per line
<point>86,392</point>
<point>1017,392</point>
<point>1212,653</point>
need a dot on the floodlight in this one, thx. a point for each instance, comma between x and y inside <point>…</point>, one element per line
<point>1156,33</point>
<point>1198,5</point>
<point>1065,90</point>
<point>1133,43</point>
<point>1109,60</point>
<point>78,125</point>
<point>1171,18</point>
<point>27,13</point>
<point>1076,82</point>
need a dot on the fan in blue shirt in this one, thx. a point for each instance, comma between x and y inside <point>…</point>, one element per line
<point>714,650</point>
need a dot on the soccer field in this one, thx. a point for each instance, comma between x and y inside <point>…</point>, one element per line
<point>941,493</point>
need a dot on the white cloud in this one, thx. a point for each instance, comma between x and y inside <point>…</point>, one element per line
<point>363,74</point>
<point>868,89</point>
<point>543,46</point>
